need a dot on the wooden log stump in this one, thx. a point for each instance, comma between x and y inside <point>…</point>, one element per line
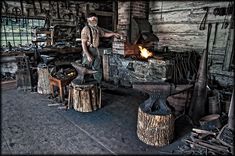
<point>155,130</point>
<point>43,80</point>
<point>84,97</point>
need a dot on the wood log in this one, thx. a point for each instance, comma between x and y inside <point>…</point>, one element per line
<point>43,80</point>
<point>201,131</point>
<point>106,67</point>
<point>85,97</point>
<point>155,130</point>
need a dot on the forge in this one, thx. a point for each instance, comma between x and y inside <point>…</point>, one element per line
<point>136,57</point>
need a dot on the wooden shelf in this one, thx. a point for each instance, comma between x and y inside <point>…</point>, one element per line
<point>49,36</point>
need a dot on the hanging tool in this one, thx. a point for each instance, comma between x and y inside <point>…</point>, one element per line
<point>16,12</point>
<point>58,10</point>
<point>203,22</point>
<point>215,33</point>
<point>67,4</point>
<point>214,41</point>
<point>34,8</point>
<point>28,11</point>
<point>5,7</point>
<point>22,7</point>
<point>40,5</point>
<point>49,2</point>
<point>161,10</point>
<point>225,23</point>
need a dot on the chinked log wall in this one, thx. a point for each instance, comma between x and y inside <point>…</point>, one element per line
<point>177,26</point>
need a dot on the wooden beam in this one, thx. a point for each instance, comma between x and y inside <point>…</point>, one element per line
<point>229,51</point>
<point>103,13</point>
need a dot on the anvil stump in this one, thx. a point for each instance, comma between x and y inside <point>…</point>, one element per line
<point>85,97</point>
<point>155,123</point>
<point>155,130</point>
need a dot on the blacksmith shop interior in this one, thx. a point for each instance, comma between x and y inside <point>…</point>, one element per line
<point>117,77</point>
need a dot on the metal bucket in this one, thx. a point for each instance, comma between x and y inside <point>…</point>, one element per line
<point>214,104</point>
<point>210,121</point>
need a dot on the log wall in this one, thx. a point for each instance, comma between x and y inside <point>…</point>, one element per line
<point>177,26</point>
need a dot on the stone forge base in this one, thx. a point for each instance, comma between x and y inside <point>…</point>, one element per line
<point>155,130</point>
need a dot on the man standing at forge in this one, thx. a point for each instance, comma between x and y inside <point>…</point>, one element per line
<point>90,36</point>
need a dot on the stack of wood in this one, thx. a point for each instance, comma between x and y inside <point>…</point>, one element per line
<point>205,142</point>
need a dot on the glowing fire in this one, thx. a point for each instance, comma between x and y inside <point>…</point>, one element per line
<point>144,52</point>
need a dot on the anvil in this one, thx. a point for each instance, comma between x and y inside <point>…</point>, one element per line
<point>82,71</point>
<point>158,93</point>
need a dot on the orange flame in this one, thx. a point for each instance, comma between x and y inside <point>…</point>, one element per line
<point>144,52</point>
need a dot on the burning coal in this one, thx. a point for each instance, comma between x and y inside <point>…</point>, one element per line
<point>144,52</point>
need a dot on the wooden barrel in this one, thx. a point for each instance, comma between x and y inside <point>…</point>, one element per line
<point>84,97</point>
<point>43,80</point>
<point>155,130</point>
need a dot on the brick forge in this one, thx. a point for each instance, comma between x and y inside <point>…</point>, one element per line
<point>125,68</point>
<point>126,11</point>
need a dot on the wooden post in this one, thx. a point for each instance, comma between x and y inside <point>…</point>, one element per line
<point>106,67</point>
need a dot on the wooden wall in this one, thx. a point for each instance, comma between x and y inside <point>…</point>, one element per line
<point>59,11</point>
<point>176,23</point>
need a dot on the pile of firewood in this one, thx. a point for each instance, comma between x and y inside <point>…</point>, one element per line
<point>204,142</point>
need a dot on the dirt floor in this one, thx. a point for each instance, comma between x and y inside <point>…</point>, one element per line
<point>30,126</point>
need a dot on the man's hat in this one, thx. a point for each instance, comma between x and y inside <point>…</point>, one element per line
<point>91,15</point>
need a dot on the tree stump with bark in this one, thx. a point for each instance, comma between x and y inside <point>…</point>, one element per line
<point>84,97</point>
<point>43,79</point>
<point>155,129</point>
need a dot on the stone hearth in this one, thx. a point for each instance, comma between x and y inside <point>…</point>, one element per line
<point>126,71</point>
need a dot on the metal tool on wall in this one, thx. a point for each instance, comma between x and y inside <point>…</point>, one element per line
<point>58,10</point>
<point>22,7</point>
<point>214,41</point>
<point>184,67</point>
<point>203,22</point>
<point>5,7</point>
<point>40,5</point>
<point>34,8</point>
<point>16,12</point>
<point>227,12</point>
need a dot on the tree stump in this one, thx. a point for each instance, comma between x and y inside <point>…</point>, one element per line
<point>43,80</point>
<point>153,129</point>
<point>84,97</point>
